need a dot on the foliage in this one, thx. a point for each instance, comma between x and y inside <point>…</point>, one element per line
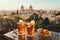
<point>13,13</point>
<point>33,17</point>
<point>8,24</point>
<point>45,22</point>
<point>58,13</point>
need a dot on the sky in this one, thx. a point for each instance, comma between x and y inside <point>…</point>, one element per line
<point>37,4</point>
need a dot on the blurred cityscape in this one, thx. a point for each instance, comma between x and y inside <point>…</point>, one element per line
<point>46,19</point>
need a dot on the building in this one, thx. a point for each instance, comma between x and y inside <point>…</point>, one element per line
<point>26,13</point>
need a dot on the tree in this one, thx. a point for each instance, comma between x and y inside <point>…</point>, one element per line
<point>45,22</point>
<point>33,17</point>
<point>58,13</point>
<point>17,18</point>
<point>5,14</point>
<point>13,13</point>
<point>39,24</point>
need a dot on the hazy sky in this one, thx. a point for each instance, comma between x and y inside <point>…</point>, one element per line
<point>37,4</point>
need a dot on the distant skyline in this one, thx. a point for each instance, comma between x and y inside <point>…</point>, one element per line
<point>37,4</point>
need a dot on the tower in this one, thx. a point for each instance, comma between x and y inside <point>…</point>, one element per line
<point>22,7</point>
<point>30,7</point>
<point>17,11</point>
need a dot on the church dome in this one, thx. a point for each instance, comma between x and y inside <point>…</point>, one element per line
<point>22,6</point>
<point>30,7</point>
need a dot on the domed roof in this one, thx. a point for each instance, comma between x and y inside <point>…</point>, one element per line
<point>22,6</point>
<point>30,6</point>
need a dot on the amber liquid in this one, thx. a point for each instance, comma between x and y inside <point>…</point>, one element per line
<point>30,37</point>
<point>21,37</point>
<point>31,30</point>
<point>21,29</point>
